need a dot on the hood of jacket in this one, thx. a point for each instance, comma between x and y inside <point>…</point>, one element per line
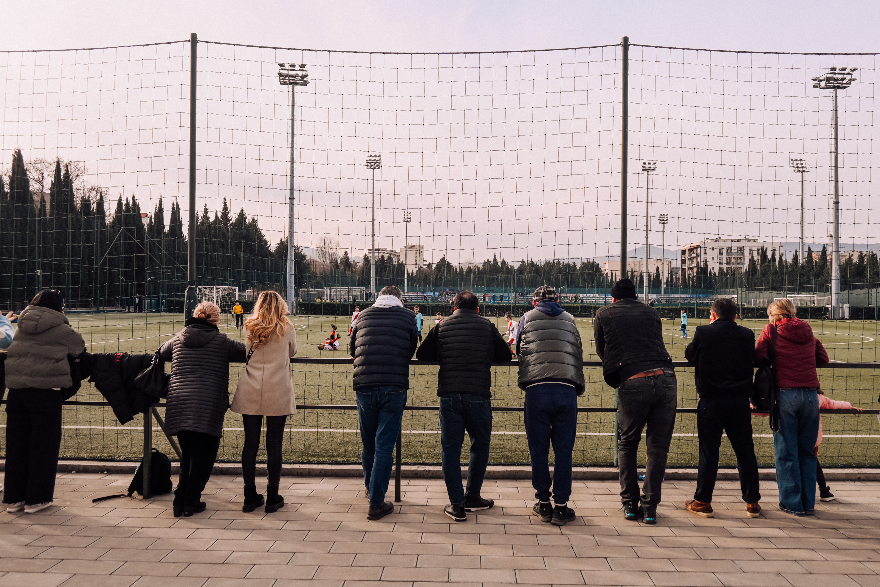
<point>388,301</point>
<point>549,308</point>
<point>198,333</point>
<point>795,331</point>
<point>36,319</point>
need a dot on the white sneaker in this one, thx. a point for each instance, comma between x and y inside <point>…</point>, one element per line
<point>37,507</point>
<point>14,508</point>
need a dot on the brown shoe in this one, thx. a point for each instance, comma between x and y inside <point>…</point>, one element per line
<point>753,510</point>
<point>700,508</point>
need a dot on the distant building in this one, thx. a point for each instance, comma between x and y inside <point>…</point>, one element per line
<point>386,252</point>
<point>844,255</point>
<point>637,266</point>
<point>413,256</point>
<point>722,254</point>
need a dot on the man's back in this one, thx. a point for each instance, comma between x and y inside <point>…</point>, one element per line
<point>550,348</point>
<point>722,352</point>
<point>383,340</point>
<point>628,333</point>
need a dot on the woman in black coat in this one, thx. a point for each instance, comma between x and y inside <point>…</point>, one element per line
<point>198,397</point>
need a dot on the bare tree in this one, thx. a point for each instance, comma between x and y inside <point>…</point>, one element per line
<point>327,249</point>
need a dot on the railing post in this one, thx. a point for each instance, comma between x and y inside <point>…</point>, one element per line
<point>148,452</point>
<point>616,437</point>
<point>397,467</point>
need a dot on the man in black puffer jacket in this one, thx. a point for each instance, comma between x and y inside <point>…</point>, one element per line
<point>383,340</point>
<point>629,340</point>
<point>551,372</point>
<point>466,345</point>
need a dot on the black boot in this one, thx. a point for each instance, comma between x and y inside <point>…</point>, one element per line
<point>252,499</point>
<point>274,502</point>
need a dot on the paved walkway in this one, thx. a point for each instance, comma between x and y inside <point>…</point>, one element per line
<point>322,538</point>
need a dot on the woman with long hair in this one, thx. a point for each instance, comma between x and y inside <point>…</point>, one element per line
<point>265,389</point>
<point>798,353</point>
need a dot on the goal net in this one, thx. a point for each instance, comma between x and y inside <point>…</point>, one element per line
<point>223,295</point>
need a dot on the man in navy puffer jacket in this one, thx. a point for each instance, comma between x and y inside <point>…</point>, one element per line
<point>383,340</point>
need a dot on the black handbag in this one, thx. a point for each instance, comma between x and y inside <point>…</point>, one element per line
<point>153,380</point>
<point>765,391</point>
<point>76,376</point>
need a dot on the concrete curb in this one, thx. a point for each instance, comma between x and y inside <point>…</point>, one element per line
<point>435,472</point>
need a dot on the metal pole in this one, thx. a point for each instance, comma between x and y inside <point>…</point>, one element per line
<point>291,259</point>
<point>835,234</point>
<point>663,259</point>
<point>373,245</point>
<point>148,452</point>
<point>647,217</point>
<point>801,254</point>
<point>398,466</point>
<point>405,254</point>
<point>192,297</point>
<point>624,144</point>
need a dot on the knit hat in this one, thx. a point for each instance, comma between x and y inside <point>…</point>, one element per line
<point>545,293</point>
<point>624,289</point>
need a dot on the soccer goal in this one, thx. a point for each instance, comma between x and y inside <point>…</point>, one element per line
<point>224,296</point>
<point>803,299</point>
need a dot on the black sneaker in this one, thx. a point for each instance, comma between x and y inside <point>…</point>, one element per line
<point>649,514</point>
<point>825,494</point>
<point>475,504</point>
<point>377,513</point>
<point>630,511</point>
<point>456,512</point>
<point>191,510</point>
<point>543,510</point>
<point>562,515</point>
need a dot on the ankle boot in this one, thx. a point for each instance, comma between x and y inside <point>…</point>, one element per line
<point>252,499</point>
<point>274,502</point>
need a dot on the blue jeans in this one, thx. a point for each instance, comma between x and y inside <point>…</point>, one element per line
<point>795,461</point>
<point>460,412</point>
<point>551,417</point>
<point>380,411</point>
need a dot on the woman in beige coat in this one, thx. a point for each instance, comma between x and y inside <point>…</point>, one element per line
<point>265,389</point>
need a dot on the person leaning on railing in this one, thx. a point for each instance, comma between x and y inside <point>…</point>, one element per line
<point>265,389</point>
<point>6,330</point>
<point>37,369</point>
<point>198,397</point>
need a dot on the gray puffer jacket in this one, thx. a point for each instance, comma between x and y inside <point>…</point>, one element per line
<point>37,358</point>
<point>549,348</point>
<point>198,395</point>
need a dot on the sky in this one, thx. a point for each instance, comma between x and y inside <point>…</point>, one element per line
<point>514,154</point>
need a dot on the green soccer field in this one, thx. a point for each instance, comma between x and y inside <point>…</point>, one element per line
<point>331,435</point>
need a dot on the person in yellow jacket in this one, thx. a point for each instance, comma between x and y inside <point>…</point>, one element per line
<point>238,312</point>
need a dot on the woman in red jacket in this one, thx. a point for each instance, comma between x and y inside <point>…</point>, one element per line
<point>798,353</point>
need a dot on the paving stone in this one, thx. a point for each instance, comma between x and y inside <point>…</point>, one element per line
<point>414,574</point>
<point>86,567</point>
<point>753,580</point>
<point>151,569</point>
<point>16,579</point>
<point>676,579</point>
<point>216,570</point>
<point>99,581</point>
<point>347,573</point>
<point>820,580</point>
<point>483,575</point>
<point>616,578</point>
<point>271,571</point>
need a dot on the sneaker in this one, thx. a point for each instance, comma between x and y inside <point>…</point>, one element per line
<point>562,515</point>
<point>630,511</point>
<point>189,511</point>
<point>701,508</point>
<point>543,510</point>
<point>456,512</point>
<point>753,510</point>
<point>14,508</point>
<point>825,494</point>
<point>379,512</point>
<point>785,510</point>
<point>475,504</point>
<point>36,507</point>
<point>649,514</point>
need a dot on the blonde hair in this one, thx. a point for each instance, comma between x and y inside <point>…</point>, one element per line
<point>781,308</point>
<point>207,311</point>
<point>269,321</point>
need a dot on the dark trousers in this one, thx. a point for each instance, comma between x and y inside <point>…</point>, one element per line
<point>33,439</point>
<point>239,320</point>
<point>380,413</point>
<point>733,415</point>
<point>645,403</point>
<point>274,438</point>
<point>551,418</point>
<point>460,413</point>
<point>820,477</point>
<point>198,452</point>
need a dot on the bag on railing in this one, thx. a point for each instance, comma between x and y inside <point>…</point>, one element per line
<point>765,391</point>
<point>153,380</point>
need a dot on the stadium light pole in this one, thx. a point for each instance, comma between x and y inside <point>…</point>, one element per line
<point>374,162</point>
<point>664,219</point>
<point>648,167</point>
<point>800,166</point>
<point>407,218</point>
<point>145,218</point>
<point>837,78</point>
<point>289,75</point>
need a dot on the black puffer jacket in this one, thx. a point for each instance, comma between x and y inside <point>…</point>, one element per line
<point>113,375</point>
<point>466,345</point>
<point>198,395</point>
<point>549,348</point>
<point>627,332</point>
<point>383,340</point>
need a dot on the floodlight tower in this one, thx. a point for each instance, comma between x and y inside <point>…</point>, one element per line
<point>290,75</point>
<point>837,78</point>
<point>800,166</point>
<point>648,167</point>
<point>407,218</point>
<point>374,162</point>
<point>145,218</point>
<point>664,219</point>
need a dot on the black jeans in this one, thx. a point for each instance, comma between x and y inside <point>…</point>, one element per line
<point>460,412</point>
<point>645,402</point>
<point>33,439</point>
<point>733,415</point>
<point>274,439</point>
<point>198,452</point>
<point>239,320</point>
<point>551,418</point>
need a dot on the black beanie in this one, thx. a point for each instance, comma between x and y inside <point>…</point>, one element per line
<point>49,298</point>
<point>624,289</point>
